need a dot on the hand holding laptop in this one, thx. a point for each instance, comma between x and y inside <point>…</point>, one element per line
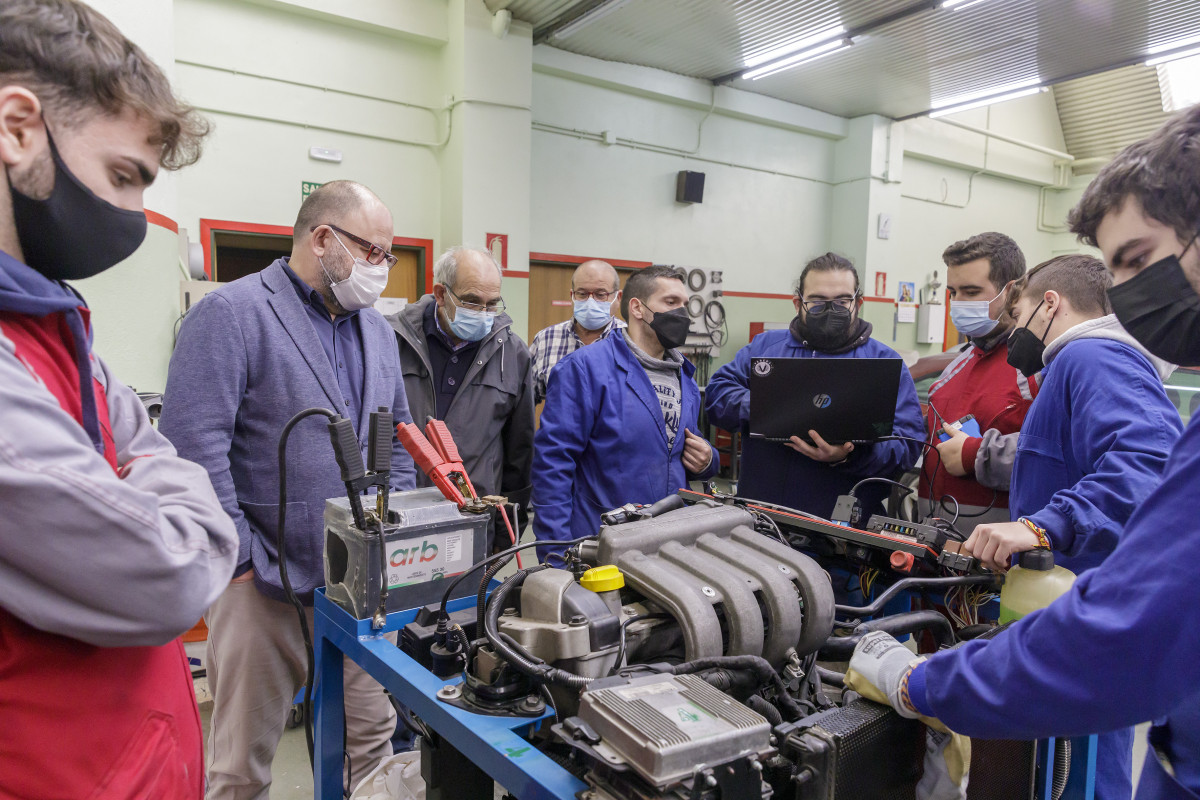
<point>821,450</point>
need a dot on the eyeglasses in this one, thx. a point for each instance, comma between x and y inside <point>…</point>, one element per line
<point>821,305</point>
<point>495,307</point>
<point>375,254</point>
<point>601,295</point>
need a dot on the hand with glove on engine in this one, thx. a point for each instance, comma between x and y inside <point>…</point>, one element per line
<point>879,671</point>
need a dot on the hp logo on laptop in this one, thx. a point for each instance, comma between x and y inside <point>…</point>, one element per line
<point>762,367</point>
<point>822,401</point>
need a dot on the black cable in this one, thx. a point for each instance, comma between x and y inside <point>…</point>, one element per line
<point>942,503</point>
<point>879,602</point>
<point>761,668</point>
<point>621,646</point>
<point>853,489</point>
<point>481,597</point>
<point>283,572</point>
<point>990,506</point>
<point>454,583</point>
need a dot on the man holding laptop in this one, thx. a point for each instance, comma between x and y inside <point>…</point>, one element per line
<point>809,468</point>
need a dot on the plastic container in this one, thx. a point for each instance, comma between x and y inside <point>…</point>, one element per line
<point>1034,583</point>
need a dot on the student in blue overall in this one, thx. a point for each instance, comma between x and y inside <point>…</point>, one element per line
<point>620,421</point>
<point>797,474</point>
<point>1121,646</point>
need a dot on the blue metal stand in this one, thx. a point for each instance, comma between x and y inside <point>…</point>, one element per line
<point>497,745</point>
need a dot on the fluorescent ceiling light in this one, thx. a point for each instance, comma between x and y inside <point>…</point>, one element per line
<point>959,5</point>
<point>1179,83</point>
<point>997,94</point>
<point>1175,56</point>
<point>812,54</point>
<point>803,43</point>
<point>587,18</point>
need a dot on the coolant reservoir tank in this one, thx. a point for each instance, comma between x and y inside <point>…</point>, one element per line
<point>1034,583</point>
<point>606,581</point>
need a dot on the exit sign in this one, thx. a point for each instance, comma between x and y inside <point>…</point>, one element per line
<point>307,188</point>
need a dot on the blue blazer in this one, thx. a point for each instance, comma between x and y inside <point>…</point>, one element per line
<point>246,361</point>
<point>602,441</point>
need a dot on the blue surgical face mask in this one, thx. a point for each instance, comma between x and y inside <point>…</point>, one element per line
<point>471,326</point>
<point>591,314</point>
<point>973,317</point>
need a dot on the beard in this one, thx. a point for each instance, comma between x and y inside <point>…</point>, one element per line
<point>334,269</point>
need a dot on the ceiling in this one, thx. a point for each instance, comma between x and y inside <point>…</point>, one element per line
<point>907,57</point>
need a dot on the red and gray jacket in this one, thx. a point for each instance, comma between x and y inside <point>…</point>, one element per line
<point>980,382</point>
<point>110,547</point>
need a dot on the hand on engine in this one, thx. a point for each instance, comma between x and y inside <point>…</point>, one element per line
<point>995,545</point>
<point>879,671</point>
<point>823,450</point>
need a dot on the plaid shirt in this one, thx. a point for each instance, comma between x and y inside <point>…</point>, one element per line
<point>552,345</point>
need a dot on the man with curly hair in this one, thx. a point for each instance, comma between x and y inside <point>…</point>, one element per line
<point>111,545</point>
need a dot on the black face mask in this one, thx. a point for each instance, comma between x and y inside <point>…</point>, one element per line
<point>1025,349</point>
<point>829,329</point>
<point>73,234</point>
<point>1160,309</point>
<point>671,327</point>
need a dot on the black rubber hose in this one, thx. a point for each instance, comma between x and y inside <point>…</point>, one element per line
<point>761,668</point>
<point>911,583</point>
<point>762,707</point>
<point>840,648</point>
<point>481,598</point>
<point>491,627</point>
<point>831,677</point>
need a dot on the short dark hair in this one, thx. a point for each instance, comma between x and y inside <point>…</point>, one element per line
<point>1006,262</point>
<point>641,284</point>
<point>829,262</point>
<point>1083,280</point>
<point>329,204</point>
<point>1161,171</point>
<point>77,62</point>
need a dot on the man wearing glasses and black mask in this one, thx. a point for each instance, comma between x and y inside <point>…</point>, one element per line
<point>464,364</point>
<point>797,474</point>
<point>298,334</point>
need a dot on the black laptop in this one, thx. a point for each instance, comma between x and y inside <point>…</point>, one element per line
<point>842,399</point>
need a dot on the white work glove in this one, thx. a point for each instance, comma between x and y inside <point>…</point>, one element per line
<point>878,671</point>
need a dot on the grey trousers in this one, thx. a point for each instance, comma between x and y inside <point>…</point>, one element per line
<point>256,664</point>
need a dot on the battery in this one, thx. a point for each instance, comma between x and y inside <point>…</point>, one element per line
<point>427,540</point>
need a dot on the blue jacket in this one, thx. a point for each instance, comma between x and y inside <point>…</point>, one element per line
<point>247,360</point>
<point>1119,648</point>
<point>602,441</point>
<point>772,471</point>
<point>1092,447</point>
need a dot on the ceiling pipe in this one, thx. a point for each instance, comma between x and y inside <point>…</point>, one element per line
<point>1058,154</point>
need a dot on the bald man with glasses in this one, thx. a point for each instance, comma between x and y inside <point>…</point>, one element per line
<point>595,296</point>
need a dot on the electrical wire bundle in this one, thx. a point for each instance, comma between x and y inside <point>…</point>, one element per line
<point>963,603</point>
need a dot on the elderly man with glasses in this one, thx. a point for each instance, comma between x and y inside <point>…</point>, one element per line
<point>250,355</point>
<point>464,364</point>
<point>810,475</point>
<point>595,294</point>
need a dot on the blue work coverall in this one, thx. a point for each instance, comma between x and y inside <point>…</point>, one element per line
<point>602,441</point>
<point>773,472</point>
<point>1121,647</point>
<point>1093,447</point>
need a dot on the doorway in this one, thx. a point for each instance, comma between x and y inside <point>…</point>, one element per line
<point>550,292</point>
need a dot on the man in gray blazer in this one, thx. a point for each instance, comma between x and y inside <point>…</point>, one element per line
<point>464,364</point>
<point>250,355</point>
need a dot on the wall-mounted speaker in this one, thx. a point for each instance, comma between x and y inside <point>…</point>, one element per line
<point>689,187</point>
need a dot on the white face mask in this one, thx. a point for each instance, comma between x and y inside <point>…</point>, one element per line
<point>363,286</point>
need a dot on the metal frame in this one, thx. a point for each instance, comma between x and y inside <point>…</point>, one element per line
<point>497,745</point>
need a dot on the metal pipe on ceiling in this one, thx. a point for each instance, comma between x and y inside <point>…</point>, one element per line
<point>1058,154</point>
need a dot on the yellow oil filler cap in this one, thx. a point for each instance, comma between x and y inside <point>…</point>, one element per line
<point>603,579</point>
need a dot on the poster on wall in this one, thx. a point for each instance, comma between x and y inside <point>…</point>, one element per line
<point>908,292</point>
<point>497,243</point>
<point>881,284</point>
